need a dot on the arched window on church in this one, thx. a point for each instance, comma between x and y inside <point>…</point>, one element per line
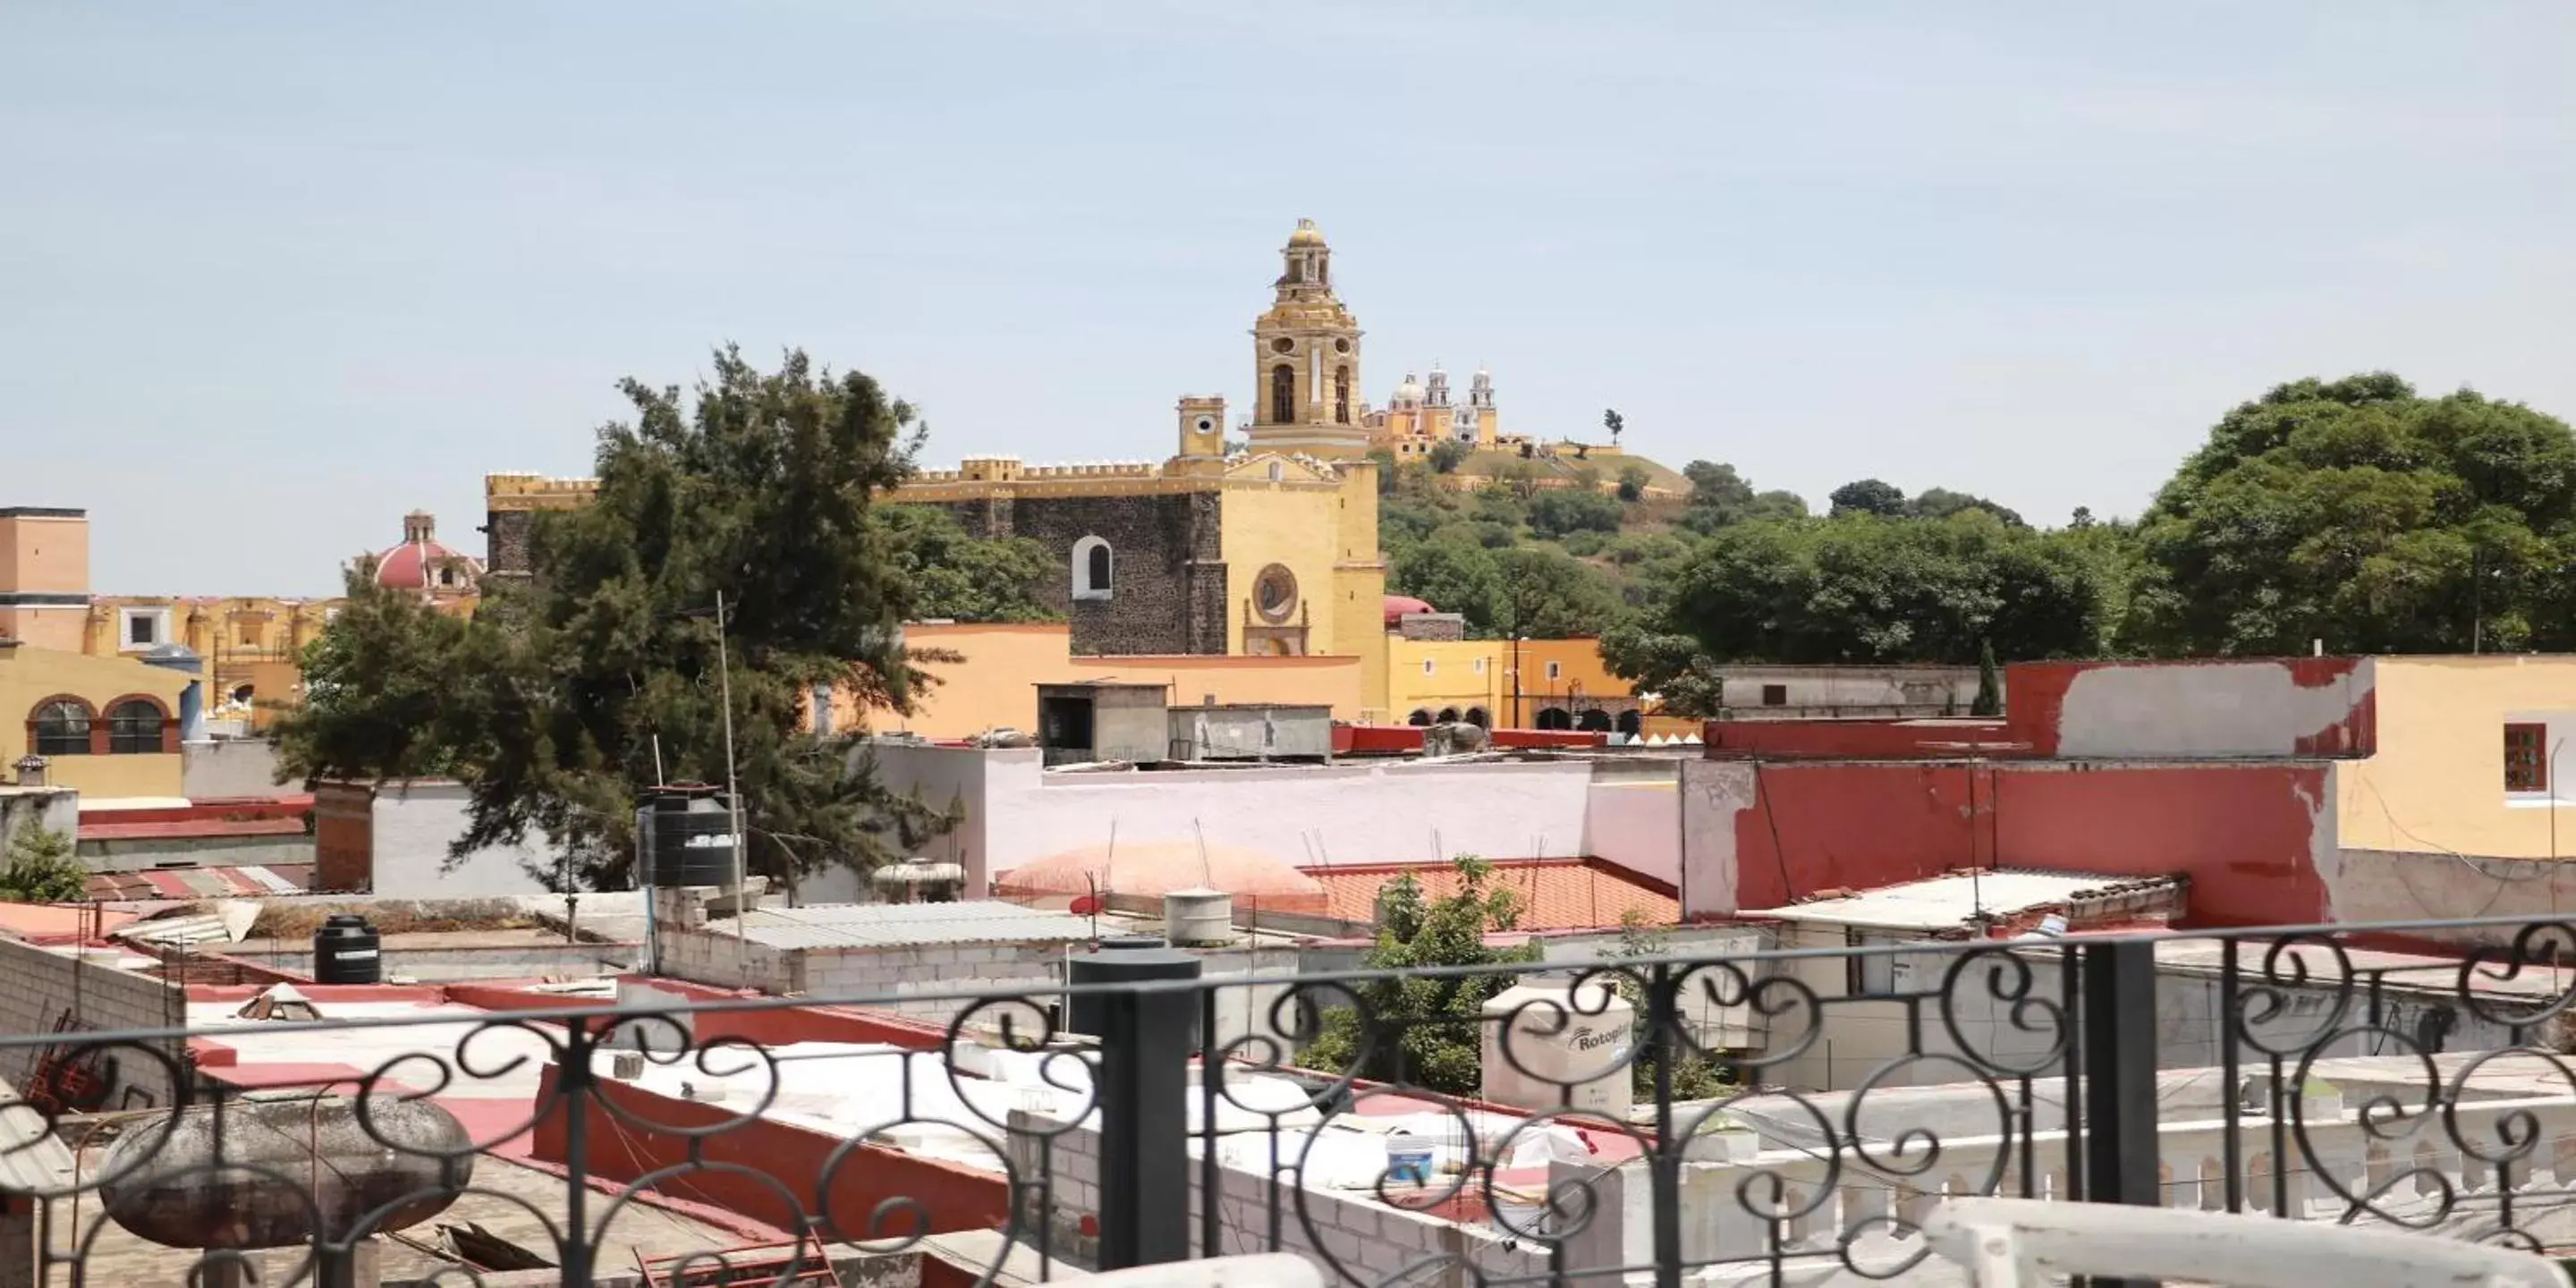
<point>1092,564</point>
<point>1283,394</point>
<point>1341,395</point>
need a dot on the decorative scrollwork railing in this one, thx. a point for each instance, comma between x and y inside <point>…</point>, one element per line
<point>1772,1115</point>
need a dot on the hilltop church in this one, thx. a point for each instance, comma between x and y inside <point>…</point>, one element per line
<point>1269,551</point>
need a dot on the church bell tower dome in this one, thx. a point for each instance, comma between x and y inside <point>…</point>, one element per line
<point>1306,358</point>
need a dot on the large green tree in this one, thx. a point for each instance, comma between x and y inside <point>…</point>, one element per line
<point>565,697</point>
<point>963,578</point>
<point>380,687</point>
<point>1862,588</point>
<point>2360,513</point>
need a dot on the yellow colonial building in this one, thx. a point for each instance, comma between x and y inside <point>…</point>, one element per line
<point>1534,684</point>
<point>109,726</point>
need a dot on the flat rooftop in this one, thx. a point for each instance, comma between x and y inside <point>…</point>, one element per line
<point>902,925</point>
<point>1943,902</point>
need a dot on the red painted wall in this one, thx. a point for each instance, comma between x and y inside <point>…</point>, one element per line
<point>2242,833</point>
<point>949,1197</point>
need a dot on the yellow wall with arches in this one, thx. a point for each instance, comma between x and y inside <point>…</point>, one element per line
<point>31,676</point>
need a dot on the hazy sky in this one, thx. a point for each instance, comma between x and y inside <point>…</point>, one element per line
<point>272,274</point>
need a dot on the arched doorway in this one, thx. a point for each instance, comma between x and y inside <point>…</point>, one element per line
<point>1630,723</point>
<point>1448,715</point>
<point>1418,718</point>
<point>1476,716</point>
<point>1595,720</point>
<point>1554,718</point>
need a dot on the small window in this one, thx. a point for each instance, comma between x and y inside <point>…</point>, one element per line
<point>1480,666</point>
<point>1775,695</point>
<point>1426,666</point>
<point>1870,976</point>
<point>1093,566</point>
<point>2526,758</point>
<point>143,629</point>
<point>1555,670</point>
<point>62,729</point>
<point>134,728</point>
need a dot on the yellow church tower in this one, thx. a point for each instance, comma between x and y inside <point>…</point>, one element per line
<point>1306,359</point>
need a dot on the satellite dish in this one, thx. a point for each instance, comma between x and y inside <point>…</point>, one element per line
<point>1085,905</point>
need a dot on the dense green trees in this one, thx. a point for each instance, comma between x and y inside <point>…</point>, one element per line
<point>2364,515</point>
<point>963,578</point>
<point>1869,589</point>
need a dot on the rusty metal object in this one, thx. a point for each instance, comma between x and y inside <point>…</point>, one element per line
<point>276,1172</point>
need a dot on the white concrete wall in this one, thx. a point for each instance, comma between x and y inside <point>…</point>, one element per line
<point>55,809</point>
<point>1713,793</point>
<point>1851,686</point>
<point>218,768</point>
<point>2214,709</point>
<point>936,776</point>
<point>1344,813</point>
<point>415,822</point>
<point>1637,825</point>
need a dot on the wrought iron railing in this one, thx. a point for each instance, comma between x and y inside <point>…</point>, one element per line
<point>1754,1117</point>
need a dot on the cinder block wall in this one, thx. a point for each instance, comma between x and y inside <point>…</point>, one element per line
<point>42,987</point>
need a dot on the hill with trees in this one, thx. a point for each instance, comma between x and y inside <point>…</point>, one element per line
<point>2356,512</point>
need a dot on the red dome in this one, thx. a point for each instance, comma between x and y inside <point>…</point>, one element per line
<point>1398,605</point>
<point>421,563</point>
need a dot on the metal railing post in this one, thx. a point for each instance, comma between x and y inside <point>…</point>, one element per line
<point>576,1088</point>
<point>1145,1045</point>
<point>2121,1161</point>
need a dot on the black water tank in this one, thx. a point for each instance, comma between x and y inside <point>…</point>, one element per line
<point>684,837</point>
<point>1122,963</point>
<point>346,951</point>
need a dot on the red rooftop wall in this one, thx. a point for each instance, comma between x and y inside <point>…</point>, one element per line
<point>2246,835</point>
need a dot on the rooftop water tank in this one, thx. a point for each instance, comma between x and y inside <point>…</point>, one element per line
<point>1199,916</point>
<point>684,837</point>
<point>346,950</point>
<point>278,1169</point>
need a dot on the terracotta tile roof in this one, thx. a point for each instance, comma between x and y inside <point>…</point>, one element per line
<point>1557,894</point>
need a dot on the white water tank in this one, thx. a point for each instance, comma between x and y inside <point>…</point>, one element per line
<point>1568,1046</point>
<point>1198,915</point>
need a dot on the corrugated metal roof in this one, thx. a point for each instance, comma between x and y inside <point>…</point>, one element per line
<point>32,1158</point>
<point>201,883</point>
<point>895,925</point>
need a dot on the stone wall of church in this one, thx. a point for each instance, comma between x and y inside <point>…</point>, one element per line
<point>505,541</point>
<point>1167,584</point>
